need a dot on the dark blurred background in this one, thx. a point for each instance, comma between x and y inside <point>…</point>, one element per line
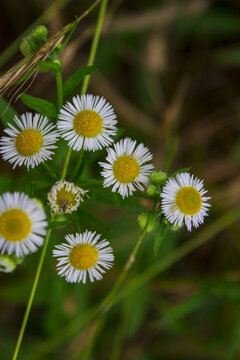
<point>171,69</point>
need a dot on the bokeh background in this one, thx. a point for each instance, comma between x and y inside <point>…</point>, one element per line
<point>171,69</point>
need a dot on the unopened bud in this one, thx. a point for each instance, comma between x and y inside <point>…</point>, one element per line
<point>151,190</point>
<point>7,264</point>
<point>27,46</point>
<point>172,226</point>
<point>158,177</point>
<point>40,33</point>
<point>142,220</point>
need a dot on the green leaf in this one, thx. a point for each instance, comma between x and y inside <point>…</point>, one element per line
<point>7,112</point>
<point>180,171</point>
<point>90,156</point>
<point>42,106</point>
<point>58,224</point>
<point>46,66</point>
<point>30,188</point>
<point>73,81</point>
<point>106,196</point>
<point>92,221</point>
<point>159,237</point>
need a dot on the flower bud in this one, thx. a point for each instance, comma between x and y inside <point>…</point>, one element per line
<point>151,190</point>
<point>27,46</point>
<point>172,226</point>
<point>158,177</point>
<point>40,33</point>
<point>142,220</point>
<point>7,264</point>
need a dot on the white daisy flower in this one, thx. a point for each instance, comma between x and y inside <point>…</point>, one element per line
<point>82,255</point>
<point>65,197</point>
<point>125,169</point>
<point>88,123</point>
<point>22,224</point>
<point>30,142</point>
<point>183,200</point>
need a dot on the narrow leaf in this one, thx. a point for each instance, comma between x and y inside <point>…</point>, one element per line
<point>180,171</point>
<point>159,237</point>
<point>42,106</point>
<point>46,66</point>
<point>92,221</point>
<point>30,188</point>
<point>7,112</point>
<point>73,81</point>
<point>58,224</point>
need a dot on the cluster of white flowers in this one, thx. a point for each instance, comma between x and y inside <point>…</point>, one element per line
<point>88,123</point>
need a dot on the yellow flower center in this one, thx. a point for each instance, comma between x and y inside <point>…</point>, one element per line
<point>126,169</point>
<point>88,123</point>
<point>15,225</point>
<point>189,200</point>
<point>83,256</point>
<point>29,142</point>
<point>65,198</point>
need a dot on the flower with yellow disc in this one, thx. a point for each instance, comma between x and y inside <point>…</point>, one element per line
<point>183,200</point>
<point>83,255</point>
<point>22,224</point>
<point>30,141</point>
<point>126,168</point>
<point>89,122</point>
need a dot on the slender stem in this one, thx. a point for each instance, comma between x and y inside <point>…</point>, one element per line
<point>79,163</point>
<point>108,301</point>
<point>111,297</point>
<point>59,90</point>
<point>66,162</point>
<point>64,171</point>
<point>30,301</point>
<point>49,170</point>
<point>91,58</point>
<point>95,42</point>
<point>51,11</point>
<point>155,269</point>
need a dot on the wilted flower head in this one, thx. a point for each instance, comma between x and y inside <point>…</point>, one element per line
<point>65,197</point>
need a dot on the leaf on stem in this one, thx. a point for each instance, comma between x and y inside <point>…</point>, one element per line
<point>180,171</point>
<point>160,234</point>
<point>73,81</point>
<point>42,106</point>
<point>58,224</point>
<point>7,112</point>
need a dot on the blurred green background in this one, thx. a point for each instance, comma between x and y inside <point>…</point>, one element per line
<point>171,69</point>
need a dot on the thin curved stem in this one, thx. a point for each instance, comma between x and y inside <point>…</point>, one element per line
<point>30,300</point>
<point>111,297</point>
<point>157,268</point>
<point>90,62</point>
<point>64,172</point>
<point>107,302</point>
<point>59,90</point>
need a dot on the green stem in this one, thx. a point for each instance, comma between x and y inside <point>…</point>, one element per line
<point>111,297</point>
<point>59,90</point>
<point>30,301</point>
<point>143,278</point>
<point>50,171</point>
<point>101,308</point>
<point>79,163</point>
<point>66,162</point>
<point>51,11</point>
<point>91,58</point>
<point>95,42</point>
